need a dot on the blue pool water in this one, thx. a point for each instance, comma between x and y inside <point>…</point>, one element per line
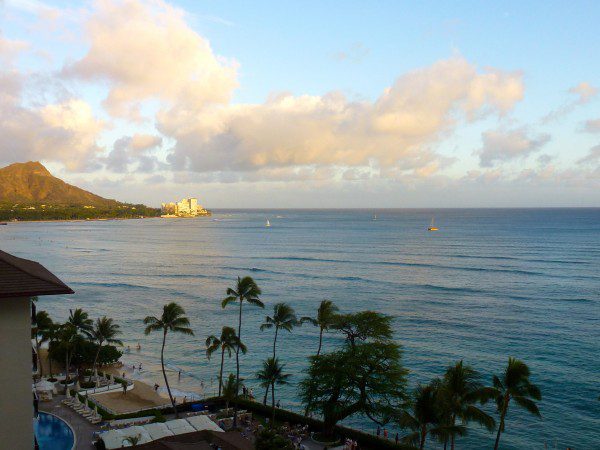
<point>490,284</point>
<point>53,433</point>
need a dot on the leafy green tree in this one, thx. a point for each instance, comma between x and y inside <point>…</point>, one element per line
<point>284,318</point>
<point>270,375</point>
<point>460,391</point>
<point>43,323</point>
<point>425,417</point>
<point>363,326</point>
<point>104,331</point>
<point>514,384</point>
<point>324,320</point>
<point>246,290</point>
<point>365,376</point>
<point>172,319</point>
<point>227,342</point>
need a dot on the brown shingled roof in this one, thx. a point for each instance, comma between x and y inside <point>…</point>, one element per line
<point>24,278</point>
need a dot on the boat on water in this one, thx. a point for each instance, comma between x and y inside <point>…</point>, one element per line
<point>432,226</point>
<point>3,223</point>
<point>268,224</point>
<point>374,216</point>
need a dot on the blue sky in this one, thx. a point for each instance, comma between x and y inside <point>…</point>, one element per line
<point>306,104</point>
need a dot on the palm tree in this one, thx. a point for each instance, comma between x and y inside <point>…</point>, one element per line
<point>424,417</point>
<point>229,390</point>
<point>81,321</point>
<point>227,342</point>
<point>69,339</point>
<point>172,319</point>
<point>134,440</point>
<point>43,323</point>
<point>51,335</point>
<point>104,331</point>
<point>270,375</point>
<point>284,318</point>
<point>514,384</point>
<point>461,389</point>
<point>245,290</point>
<point>324,320</point>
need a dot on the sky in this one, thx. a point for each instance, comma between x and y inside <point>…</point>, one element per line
<point>307,104</point>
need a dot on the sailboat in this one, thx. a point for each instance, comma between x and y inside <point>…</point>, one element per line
<point>374,216</point>
<point>268,224</point>
<point>432,226</point>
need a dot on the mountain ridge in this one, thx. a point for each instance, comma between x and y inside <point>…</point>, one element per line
<point>31,182</point>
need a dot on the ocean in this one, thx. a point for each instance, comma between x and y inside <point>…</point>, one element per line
<point>490,284</point>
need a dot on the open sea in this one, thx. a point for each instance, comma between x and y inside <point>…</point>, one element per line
<point>490,284</point>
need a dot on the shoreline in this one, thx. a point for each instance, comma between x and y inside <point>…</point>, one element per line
<point>79,220</point>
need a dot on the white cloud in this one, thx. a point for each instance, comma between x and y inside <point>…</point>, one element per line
<point>583,92</point>
<point>295,131</point>
<point>133,150</point>
<point>505,145</point>
<point>64,131</point>
<point>593,157</point>
<point>592,126</point>
<point>146,50</point>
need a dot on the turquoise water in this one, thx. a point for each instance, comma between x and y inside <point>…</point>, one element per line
<point>53,433</point>
<point>490,284</point>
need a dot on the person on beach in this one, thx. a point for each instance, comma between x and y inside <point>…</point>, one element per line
<point>251,392</point>
<point>397,438</point>
<point>155,387</point>
<point>385,433</point>
<point>139,347</point>
<point>378,431</point>
<point>179,376</point>
<point>278,404</point>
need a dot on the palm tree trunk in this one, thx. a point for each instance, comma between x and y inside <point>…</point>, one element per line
<point>423,437</point>
<point>162,365</point>
<point>37,354</point>
<point>275,341</point>
<point>266,394</point>
<point>320,341</point>
<point>273,404</point>
<point>221,371</point>
<point>66,371</point>
<point>501,424</point>
<point>237,364</point>
<point>453,422</point>
<point>95,361</point>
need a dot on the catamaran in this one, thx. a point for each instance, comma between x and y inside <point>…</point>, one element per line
<point>432,226</point>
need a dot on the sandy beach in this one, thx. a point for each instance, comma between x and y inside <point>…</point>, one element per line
<point>142,396</point>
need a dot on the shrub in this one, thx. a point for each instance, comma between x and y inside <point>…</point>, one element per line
<point>270,440</point>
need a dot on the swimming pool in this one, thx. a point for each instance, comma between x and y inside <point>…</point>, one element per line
<point>53,433</point>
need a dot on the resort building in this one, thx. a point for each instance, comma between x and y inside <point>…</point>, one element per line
<point>187,207</point>
<point>20,280</point>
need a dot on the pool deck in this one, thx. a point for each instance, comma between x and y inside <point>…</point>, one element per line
<point>82,428</point>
